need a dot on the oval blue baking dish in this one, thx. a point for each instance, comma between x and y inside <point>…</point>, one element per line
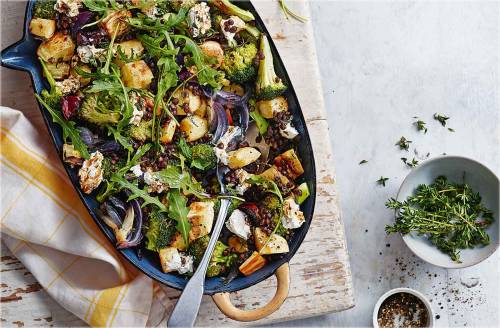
<point>22,56</point>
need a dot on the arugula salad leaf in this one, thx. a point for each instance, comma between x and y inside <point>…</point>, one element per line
<point>178,211</point>
<point>206,74</point>
<point>268,185</point>
<point>68,128</point>
<point>138,192</point>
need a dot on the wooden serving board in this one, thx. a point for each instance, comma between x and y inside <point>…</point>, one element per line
<point>320,273</point>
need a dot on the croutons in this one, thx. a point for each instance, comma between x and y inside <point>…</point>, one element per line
<point>59,71</point>
<point>214,50</point>
<point>291,162</point>
<point>266,245</point>
<point>59,47</point>
<point>194,127</point>
<point>43,28</point>
<point>242,157</point>
<point>269,108</point>
<point>201,217</point>
<point>167,132</point>
<point>137,75</point>
<point>275,175</point>
<point>83,81</point>
<point>166,256</point>
<point>115,22</point>
<point>130,49</point>
<point>187,97</point>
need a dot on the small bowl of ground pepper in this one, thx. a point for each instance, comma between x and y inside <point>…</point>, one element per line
<point>403,308</point>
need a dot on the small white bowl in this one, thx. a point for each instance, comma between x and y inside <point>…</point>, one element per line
<point>481,179</point>
<point>420,296</point>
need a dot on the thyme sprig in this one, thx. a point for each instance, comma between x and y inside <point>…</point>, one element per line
<point>441,118</point>
<point>450,215</point>
<point>403,143</point>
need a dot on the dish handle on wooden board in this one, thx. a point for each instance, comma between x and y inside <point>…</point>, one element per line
<point>223,301</point>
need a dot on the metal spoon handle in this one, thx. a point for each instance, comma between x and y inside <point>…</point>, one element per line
<point>186,309</point>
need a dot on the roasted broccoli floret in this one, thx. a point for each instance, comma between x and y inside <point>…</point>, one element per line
<point>141,132</point>
<point>203,157</point>
<point>271,202</point>
<point>45,9</point>
<point>228,8</point>
<point>197,248</point>
<point>89,112</point>
<point>269,85</point>
<point>160,231</point>
<point>220,263</point>
<point>238,63</point>
<point>54,96</point>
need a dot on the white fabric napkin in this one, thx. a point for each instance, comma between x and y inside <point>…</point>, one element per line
<point>46,226</point>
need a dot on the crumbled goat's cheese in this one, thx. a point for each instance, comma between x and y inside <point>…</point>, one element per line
<point>136,169</point>
<point>137,113</point>
<point>238,225</point>
<point>242,185</point>
<point>89,54</point>
<point>289,131</point>
<point>68,7</point>
<point>91,172</point>
<point>69,85</point>
<point>180,263</point>
<point>220,150</point>
<point>199,19</point>
<point>154,183</point>
<point>227,30</point>
<point>292,217</point>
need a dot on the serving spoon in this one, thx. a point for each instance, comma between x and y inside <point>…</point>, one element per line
<point>187,306</point>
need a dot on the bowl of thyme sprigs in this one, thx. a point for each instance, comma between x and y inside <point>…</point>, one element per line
<point>447,211</point>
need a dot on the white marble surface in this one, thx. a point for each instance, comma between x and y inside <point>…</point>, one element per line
<point>383,63</point>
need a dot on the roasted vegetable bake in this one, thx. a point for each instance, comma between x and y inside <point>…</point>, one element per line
<point>152,97</point>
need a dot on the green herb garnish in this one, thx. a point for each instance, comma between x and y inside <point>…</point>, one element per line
<point>450,215</point>
<point>420,126</point>
<point>382,181</point>
<point>289,13</point>
<point>363,162</point>
<point>441,118</point>
<point>403,143</point>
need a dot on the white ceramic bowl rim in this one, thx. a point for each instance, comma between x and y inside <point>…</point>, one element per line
<point>419,295</point>
<point>414,172</point>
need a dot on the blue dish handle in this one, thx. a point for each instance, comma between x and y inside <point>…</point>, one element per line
<point>22,54</point>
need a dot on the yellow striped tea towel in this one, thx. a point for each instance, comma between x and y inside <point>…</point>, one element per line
<point>47,227</point>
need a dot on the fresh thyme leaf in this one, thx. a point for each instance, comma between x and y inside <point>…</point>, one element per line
<point>363,162</point>
<point>403,143</point>
<point>178,211</point>
<point>382,181</point>
<point>441,118</point>
<point>420,126</point>
<point>451,130</point>
<point>451,216</point>
<point>413,163</point>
